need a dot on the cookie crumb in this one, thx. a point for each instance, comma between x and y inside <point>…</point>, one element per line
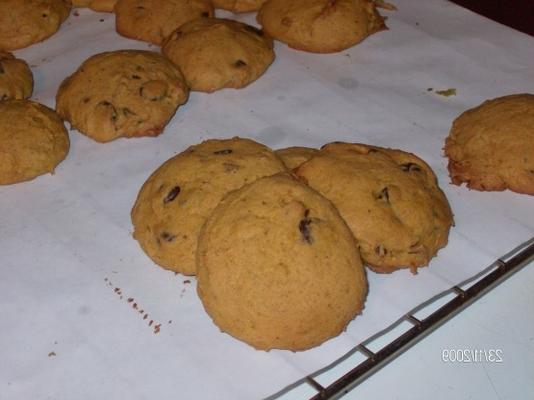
<point>52,354</point>
<point>187,281</point>
<point>447,92</point>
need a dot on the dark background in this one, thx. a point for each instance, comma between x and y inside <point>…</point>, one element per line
<point>518,14</point>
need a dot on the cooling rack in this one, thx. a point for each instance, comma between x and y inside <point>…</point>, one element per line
<point>451,302</point>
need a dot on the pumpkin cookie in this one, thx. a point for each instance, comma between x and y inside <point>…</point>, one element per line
<point>238,6</point>
<point>320,26</point>
<point>126,93</point>
<point>294,156</point>
<point>491,147</point>
<point>215,53</point>
<point>16,79</point>
<point>389,198</point>
<point>24,22</point>
<point>153,20</point>
<point>176,200</point>
<point>33,140</point>
<point>278,267</point>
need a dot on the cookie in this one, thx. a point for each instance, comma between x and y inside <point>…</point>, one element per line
<point>103,5</point>
<point>153,20</point>
<point>320,26</point>
<point>216,53</point>
<point>389,198</point>
<point>81,3</point>
<point>33,141</point>
<point>24,22</point>
<point>294,156</point>
<point>176,200</point>
<point>238,6</point>
<point>491,147</point>
<point>125,93</point>
<point>278,268</point>
<point>16,79</point>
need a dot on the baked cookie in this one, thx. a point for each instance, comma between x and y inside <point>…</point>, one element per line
<point>103,5</point>
<point>81,3</point>
<point>389,198</point>
<point>491,147</point>
<point>278,267</point>
<point>33,140</point>
<point>24,22</point>
<point>238,6</point>
<point>215,53</point>
<point>294,156</point>
<point>153,20</point>
<point>176,200</point>
<point>125,93</point>
<point>320,26</point>
<point>16,79</point>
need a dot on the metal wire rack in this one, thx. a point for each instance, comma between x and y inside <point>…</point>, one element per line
<point>464,294</point>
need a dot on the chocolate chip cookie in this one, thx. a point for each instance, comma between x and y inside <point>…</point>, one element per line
<point>278,267</point>
<point>175,201</point>
<point>491,147</point>
<point>125,93</point>
<point>389,198</point>
<point>16,79</point>
<point>294,156</point>
<point>33,140</point>
<point>216,53</point>
<point>238,6</point>
<point>320,26</point>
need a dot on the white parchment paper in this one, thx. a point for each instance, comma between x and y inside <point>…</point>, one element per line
<point>84,314</point>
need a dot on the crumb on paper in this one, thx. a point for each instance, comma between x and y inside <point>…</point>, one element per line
<point>157,328</point>
<point>52,354</point>
<point>76,13</point>
<point>187,281</point>
<point>429,89</point>
<point>447,92</point>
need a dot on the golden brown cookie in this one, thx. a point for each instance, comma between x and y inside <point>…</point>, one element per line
<point>491,147</point>
<point>389,198</point>
<point>238,6</point>
<point>294,156</point>
<point>320,26</point>
<point>24,22</point>
<point>153,20</point>
<point>16,79</point>
<point>216,53</point>
<point>278,267</point>
<point>125,93</point>
<point>177,198</point>
<point>33,140</point>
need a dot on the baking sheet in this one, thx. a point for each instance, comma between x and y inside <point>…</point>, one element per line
<point>75,287</point>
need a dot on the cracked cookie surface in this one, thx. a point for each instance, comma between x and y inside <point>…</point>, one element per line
<point>215,53</point>
<point>491,147</point>
<point>25,22</point>
<point>16,79</point>
<point>389,198</point>
<point>153,20</point>
<point>320,26</point>
<point>175,201</point>
<point>278,268</point>
<point>33,140</point>
<point>125,93</point>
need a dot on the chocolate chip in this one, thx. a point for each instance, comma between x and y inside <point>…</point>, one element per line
<point>410,167</point>
<point>240,63</point>
<point>45,15</point>
<point>175,191</point>
<point>2,69</point>
<point>304,227</point>
<point>223,152</point>
<point>168,237</point>
<point>380,250</point>
<point>205,14</point>
<point>4,97</point>
<point>383,195</point>
<point>254,30</point>
<point>229,167</point>
<point>86,100</point>
<point>136,77</point>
